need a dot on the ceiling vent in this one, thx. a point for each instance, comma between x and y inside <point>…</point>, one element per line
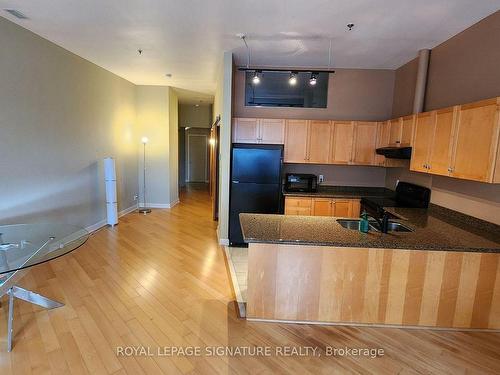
<point>16,14</point>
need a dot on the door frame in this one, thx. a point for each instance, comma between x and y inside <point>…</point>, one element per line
<point>188,172</point>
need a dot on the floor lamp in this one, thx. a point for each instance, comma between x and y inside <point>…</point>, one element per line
<point>144,210</point>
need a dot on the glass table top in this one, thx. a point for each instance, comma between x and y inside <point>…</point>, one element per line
<point>26,245</point>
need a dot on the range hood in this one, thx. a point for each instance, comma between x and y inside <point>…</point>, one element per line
<point>395,152</point>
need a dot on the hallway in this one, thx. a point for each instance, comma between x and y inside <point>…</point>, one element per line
<point>160,281</point>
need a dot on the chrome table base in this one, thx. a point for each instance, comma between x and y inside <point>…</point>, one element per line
<point>7,287</point>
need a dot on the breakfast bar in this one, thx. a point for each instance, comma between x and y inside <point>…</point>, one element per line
<point>443,273</point>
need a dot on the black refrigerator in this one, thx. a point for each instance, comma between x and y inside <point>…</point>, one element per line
<point>255,184</point>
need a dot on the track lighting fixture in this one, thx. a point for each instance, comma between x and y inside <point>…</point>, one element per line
<point>293,79</point>
<point>256,78</point>
<point>313,79</point>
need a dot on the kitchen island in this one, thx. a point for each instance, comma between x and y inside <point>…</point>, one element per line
<point>445,273</point>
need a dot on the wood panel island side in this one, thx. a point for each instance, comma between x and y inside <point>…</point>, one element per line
<point>312,270</point>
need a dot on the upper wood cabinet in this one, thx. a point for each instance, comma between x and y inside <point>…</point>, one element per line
<point>383,130</point>
<point>476,141</point>
<point>365,142</point>
<point>318,145</point>
<point>424,133</point>
<point>401,130</point>
<point>272,131</point>
<point>296,132</point>
<point>460,141</point>
<point>245,130</point>
<point>441,147</point>
<point>342,139</point>
<point>253,130</point>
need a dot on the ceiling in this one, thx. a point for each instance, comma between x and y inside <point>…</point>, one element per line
<point>186,37</point>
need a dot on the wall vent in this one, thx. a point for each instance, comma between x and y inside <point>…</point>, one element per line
<point>17,14</point>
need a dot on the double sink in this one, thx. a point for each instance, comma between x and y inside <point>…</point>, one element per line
<point>393,226</point>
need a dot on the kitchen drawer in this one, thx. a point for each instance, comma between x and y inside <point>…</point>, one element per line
<point>304,211</point>
<point>298,202</point>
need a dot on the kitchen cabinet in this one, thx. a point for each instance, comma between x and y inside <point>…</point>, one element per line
<point>245,130</point>
<point>298,206</point>
<point>441,147</point>
<point>322,207</point>
<point>401,130</point>
<point>422,142</point>
<point>318,147</point>
<point>383,129</point>
<point>476,142</point>
<point>296,132</point>
<point>272,131</point>
<point>252,130</point>
<point>365,142</point>
<point>342,142</point>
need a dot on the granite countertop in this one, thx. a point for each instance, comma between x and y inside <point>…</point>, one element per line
<point>435,228</point>
<point>343,192</point>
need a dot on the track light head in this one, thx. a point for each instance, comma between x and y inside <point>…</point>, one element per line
<point>256,78</point>
<point>313,80</point>
<point>293,79</point>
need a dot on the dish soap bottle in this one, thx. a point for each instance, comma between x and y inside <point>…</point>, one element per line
<point>364,225</point>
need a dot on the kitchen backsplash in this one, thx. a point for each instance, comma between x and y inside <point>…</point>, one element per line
<point>340,175</point>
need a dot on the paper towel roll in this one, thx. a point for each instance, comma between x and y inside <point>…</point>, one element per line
<point>110,191</point>
<point>109,169</point>
<point>112,213</point>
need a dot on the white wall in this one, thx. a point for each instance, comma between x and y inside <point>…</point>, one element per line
<point>157,120</point>
<point>60,115</point>
<point>195,117</point>
<point>223,107</point>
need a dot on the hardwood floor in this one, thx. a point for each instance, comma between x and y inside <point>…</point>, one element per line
<point>160,280</point>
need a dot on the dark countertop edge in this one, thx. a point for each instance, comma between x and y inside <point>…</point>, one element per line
<point>375,246</point>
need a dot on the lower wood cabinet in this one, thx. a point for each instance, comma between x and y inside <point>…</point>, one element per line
<point>322,207</point>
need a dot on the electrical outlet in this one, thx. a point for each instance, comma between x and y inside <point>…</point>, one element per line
<point>321,178</point>
<point>136,197</point>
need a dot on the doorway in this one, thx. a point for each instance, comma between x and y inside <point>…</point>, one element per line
<point>197,158</point>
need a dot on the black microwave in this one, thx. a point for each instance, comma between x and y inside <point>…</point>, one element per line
<point>299,182</point>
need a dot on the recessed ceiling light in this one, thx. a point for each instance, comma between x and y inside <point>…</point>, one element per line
<point>17,14</point>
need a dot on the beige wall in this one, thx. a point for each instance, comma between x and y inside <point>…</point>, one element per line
<point>157,120</point>
<point>404,89</point>
<point>223,107</point>
<point>197,117</point>
<point>466,67</point>
<point>463,69</point>
<point>60,115</point>
<point>353,94</point>
<point>173,141</point>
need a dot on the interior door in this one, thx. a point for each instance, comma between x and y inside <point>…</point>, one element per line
<point>342,142</point>
<point>442,145</point>
<point>365,142</point>
<point>319,142</point>
<point>296,141</point>
<point>424,131</point>
<point>197,158</point>
<point>475,141</point>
